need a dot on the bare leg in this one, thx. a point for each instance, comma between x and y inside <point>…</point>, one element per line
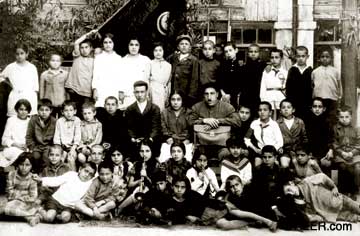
<point>65,216</point>
<point>249,215</point>
<point>127,202</point>
<point>83,208</point>
<point>350,205</point>
<point>107,207</point>
<point>230,224</point>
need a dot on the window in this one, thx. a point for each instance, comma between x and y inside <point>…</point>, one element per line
<point>219,30</point>
<point>328,32</point>
<point>244,34</point>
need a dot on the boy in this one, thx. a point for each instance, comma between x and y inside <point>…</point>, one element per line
<point>236,163</point>
<point>102,195</point>
<point>267,181</point>
<point>251,77</point>
<point>209,67</point>
<point>230,74</point>
<point>245,118</point>
<point>72,187</point>
<point>113,125</point>
<point>347,152</point>
<point>320,134</point>
<point>97,154</point>
<point>52,83</point>
<point>303,165</point>
<point>54,167</point>
<point>156,201</point>
<point>293,132</point>
<point>79,81</point>
<point>185,70</point>
<point>68,132</point>
<point>91,131</point>
<point>272,87</point>
<point>266,132</point>
<point>298,83</point>
<point>40,134</point>
<point>143,119</point>
<point>329,203</point>
<point>327,84</point>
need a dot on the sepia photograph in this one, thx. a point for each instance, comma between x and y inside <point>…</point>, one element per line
<point>179,117</point>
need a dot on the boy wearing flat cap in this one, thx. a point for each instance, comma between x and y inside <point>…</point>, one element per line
<point>185,70</point>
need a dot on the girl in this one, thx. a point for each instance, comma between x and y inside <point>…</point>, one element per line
<point>140,175</point>
<point>160,72</point>
<point>107,68</point>
<point>202,178</point>
<point>15,132</point>
<point>136,67</point>
<point>175,126</point>
<point>177,165</point>
<point>240,204</point>
<point>185,204</point>
<point>23,77</point>
<point>22,191</point>
<point>121,167</point>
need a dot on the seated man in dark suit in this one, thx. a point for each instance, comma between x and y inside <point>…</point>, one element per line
<point>143,120</point>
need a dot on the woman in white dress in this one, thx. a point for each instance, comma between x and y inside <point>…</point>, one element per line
<point>24,80</point>
<point>160,73</point>
<point>136,67</point>
<point>107,70</point>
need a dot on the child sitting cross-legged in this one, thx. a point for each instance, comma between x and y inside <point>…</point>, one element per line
<point>202,177</point>
<point>97,155</point>
<point>177,164</point>
<point>22,191</point>
<point>103,194</point>
<point>55,167</point>
<point>72,187</point>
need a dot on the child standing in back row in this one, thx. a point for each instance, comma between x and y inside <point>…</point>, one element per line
<point>52,82</point>
<point>23,77</point>
<point>327,85</point>
<point>298,84</point>
<point>209,66</point>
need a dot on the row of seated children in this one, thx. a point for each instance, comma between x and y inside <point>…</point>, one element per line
<point>156,194</point>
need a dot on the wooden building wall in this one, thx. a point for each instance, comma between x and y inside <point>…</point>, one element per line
<point>327,9</point>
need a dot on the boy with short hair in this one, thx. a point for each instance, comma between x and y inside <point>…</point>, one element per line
<point>251,77</point>
<point>293,132</point>
<point>236,163</point>
<point>52,82</point>
<point>185,70</point>
<point>40,134</point>
<point>327,84</point>
<point>347,152</point>
<point>273,81</point>
<point>55,167</point>
<point>298,83</point>
<point>230,73</point>
<point>320,135</point>
<point>143,119</point>
<point>97,154</point>
<point>113,125</point>
<point>80,77</point>
<point>68,132</point>
<point>209,66</point>
<point>303,165</point>
<point>72,187</point>
<point>91,131</point>
<point>245,118</point>
<point>102,195</point>
<point>266,132</point>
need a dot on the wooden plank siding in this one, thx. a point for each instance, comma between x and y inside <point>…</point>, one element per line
<point>327,9</point>
<point>261,10</point>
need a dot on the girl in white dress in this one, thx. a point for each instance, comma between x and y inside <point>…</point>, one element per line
<point>107,70</point>
<point>24,80</point>
<point>136,67</point>
<point>160,73</point>
<point>14,135</point>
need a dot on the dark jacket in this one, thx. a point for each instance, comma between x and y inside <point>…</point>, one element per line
<point>295,136</point>
<point>209,70</point>
<point>230,79</point>
<point>175,127</point>
<point>185,76</point>
<point>143,125</point>
<point>39,137</point>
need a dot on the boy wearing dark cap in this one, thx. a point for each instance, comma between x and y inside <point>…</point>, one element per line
<point>185,69</point>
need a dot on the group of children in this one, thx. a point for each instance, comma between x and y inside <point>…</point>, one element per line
<point>112,137</point>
